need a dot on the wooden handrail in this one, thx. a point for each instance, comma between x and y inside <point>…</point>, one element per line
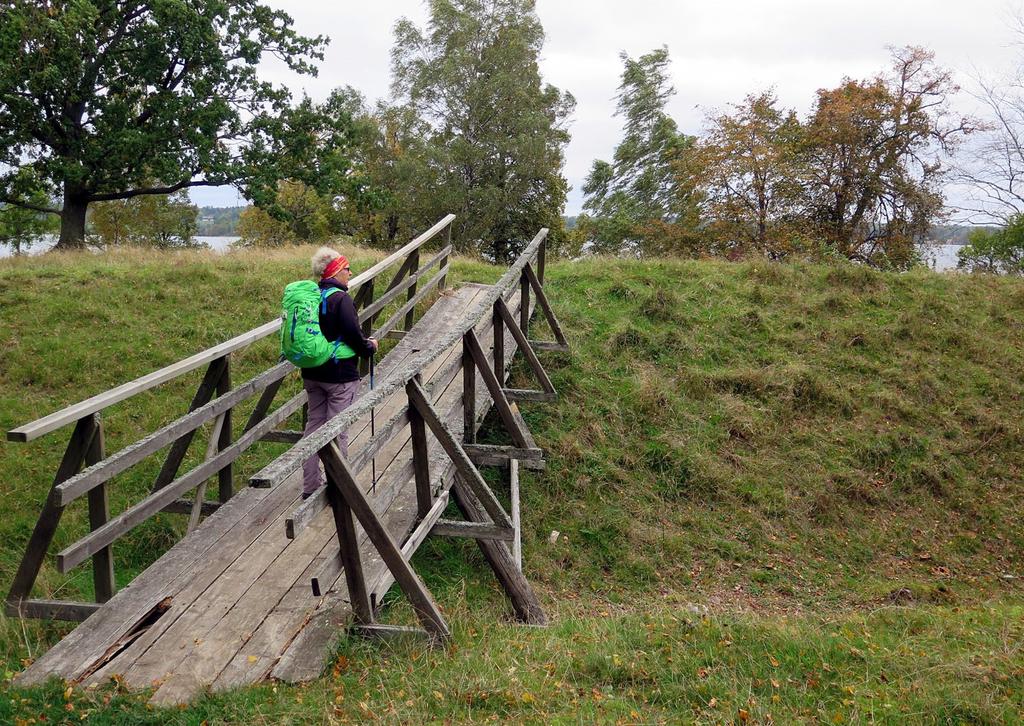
<point>71,414</point>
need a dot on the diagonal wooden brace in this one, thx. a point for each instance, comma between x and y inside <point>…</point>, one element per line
<point>494,388</point>
<point>524,345</point>
<point>340,479</point>
<point>549,314</point>
<point>463,464</point>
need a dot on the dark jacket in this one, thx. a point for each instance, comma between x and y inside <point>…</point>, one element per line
<point>340,321</point>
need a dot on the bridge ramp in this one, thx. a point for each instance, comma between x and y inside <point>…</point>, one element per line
<point>232,603</point>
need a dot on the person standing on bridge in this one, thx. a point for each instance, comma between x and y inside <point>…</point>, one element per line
<point>332,387</point>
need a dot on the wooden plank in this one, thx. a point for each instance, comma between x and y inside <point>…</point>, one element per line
<point>56,420</point>
<point>408,306</point>
<point>135,515</point>
<point>542,298</point>
<point>495,389</point>
<point>508,452</point>
<point>131,455</point>
<point>184,563</point>
<point>413,588</point>
<point>513,486</point>
<point>474,530</point>
<point>52,610</point>
<point>520,394</point>
<point>42,534</point>
<point>549,345</point>
<point>387,633</point>
<point>458,455</point>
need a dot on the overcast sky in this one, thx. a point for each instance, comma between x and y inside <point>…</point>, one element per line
<point>720,52</point>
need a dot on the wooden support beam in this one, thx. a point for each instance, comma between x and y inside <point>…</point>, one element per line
<point>495,389</point>
<point>409,284</point>
<point>419,535</point>
<point>387,633</point>
<point>513,487</point>
<point>524,601</point>
<point>499,344</point>
<point>155,502</point>
<point>549,345</point>
<point>524,346</point>
<point>468,390</point>
<point>104,584</point>
<point>505,452</point>
<point>549,314</point>
<point>420,462</point>
<point>524,298</point>
<point>225,477</point>
<point>52,610</point>
<point>200,496</point>
<point>415,257</point>
<point>473,530</point>
<point>457,454</point>
<point>340,478</point>
<point>180,447</point>
<point>46,525</point>
<point>263,405</point>
<point>520,394</point>
<point>348,544</point>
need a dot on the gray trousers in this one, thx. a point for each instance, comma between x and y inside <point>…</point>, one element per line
<point>326,400</point>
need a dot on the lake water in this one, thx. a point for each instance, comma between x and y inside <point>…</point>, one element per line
<point>937,257</point>
<point>217,244</point>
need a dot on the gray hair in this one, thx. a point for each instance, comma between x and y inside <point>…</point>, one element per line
<point>321,258</point>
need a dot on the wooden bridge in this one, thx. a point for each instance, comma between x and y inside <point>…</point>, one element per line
<point>263,582</point>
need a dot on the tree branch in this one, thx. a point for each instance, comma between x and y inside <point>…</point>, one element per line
<point>111,196</point>
<point>13,201</point>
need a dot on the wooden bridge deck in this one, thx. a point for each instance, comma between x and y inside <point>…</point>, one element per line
<point>232,603</point>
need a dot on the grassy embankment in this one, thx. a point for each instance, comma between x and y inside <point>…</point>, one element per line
<point>785,493</point>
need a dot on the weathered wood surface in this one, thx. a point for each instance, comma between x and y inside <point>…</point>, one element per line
<point>241,606</point>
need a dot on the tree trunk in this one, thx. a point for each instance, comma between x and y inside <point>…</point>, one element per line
<point>72,222</point>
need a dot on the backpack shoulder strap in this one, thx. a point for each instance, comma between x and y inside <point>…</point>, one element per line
<point>324,294</point>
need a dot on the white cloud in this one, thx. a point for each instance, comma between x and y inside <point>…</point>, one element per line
<point>720,51</point>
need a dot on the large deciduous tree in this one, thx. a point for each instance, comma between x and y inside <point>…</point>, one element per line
<point>497,133</point>
<point>749,170</point>
<point>873,153</point>
<point>639,191</point>
<point>100,97</point>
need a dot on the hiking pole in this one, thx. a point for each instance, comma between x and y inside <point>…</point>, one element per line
<point>373,430</point>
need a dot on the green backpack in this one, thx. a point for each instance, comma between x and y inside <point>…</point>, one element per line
<point>302,343</point>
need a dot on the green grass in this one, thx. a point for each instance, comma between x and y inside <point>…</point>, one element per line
<point>749,464</point>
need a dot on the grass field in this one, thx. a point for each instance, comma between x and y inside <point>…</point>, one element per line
<point>785,493</point>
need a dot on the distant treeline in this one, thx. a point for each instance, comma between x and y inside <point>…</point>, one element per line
<point>218,221</point>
